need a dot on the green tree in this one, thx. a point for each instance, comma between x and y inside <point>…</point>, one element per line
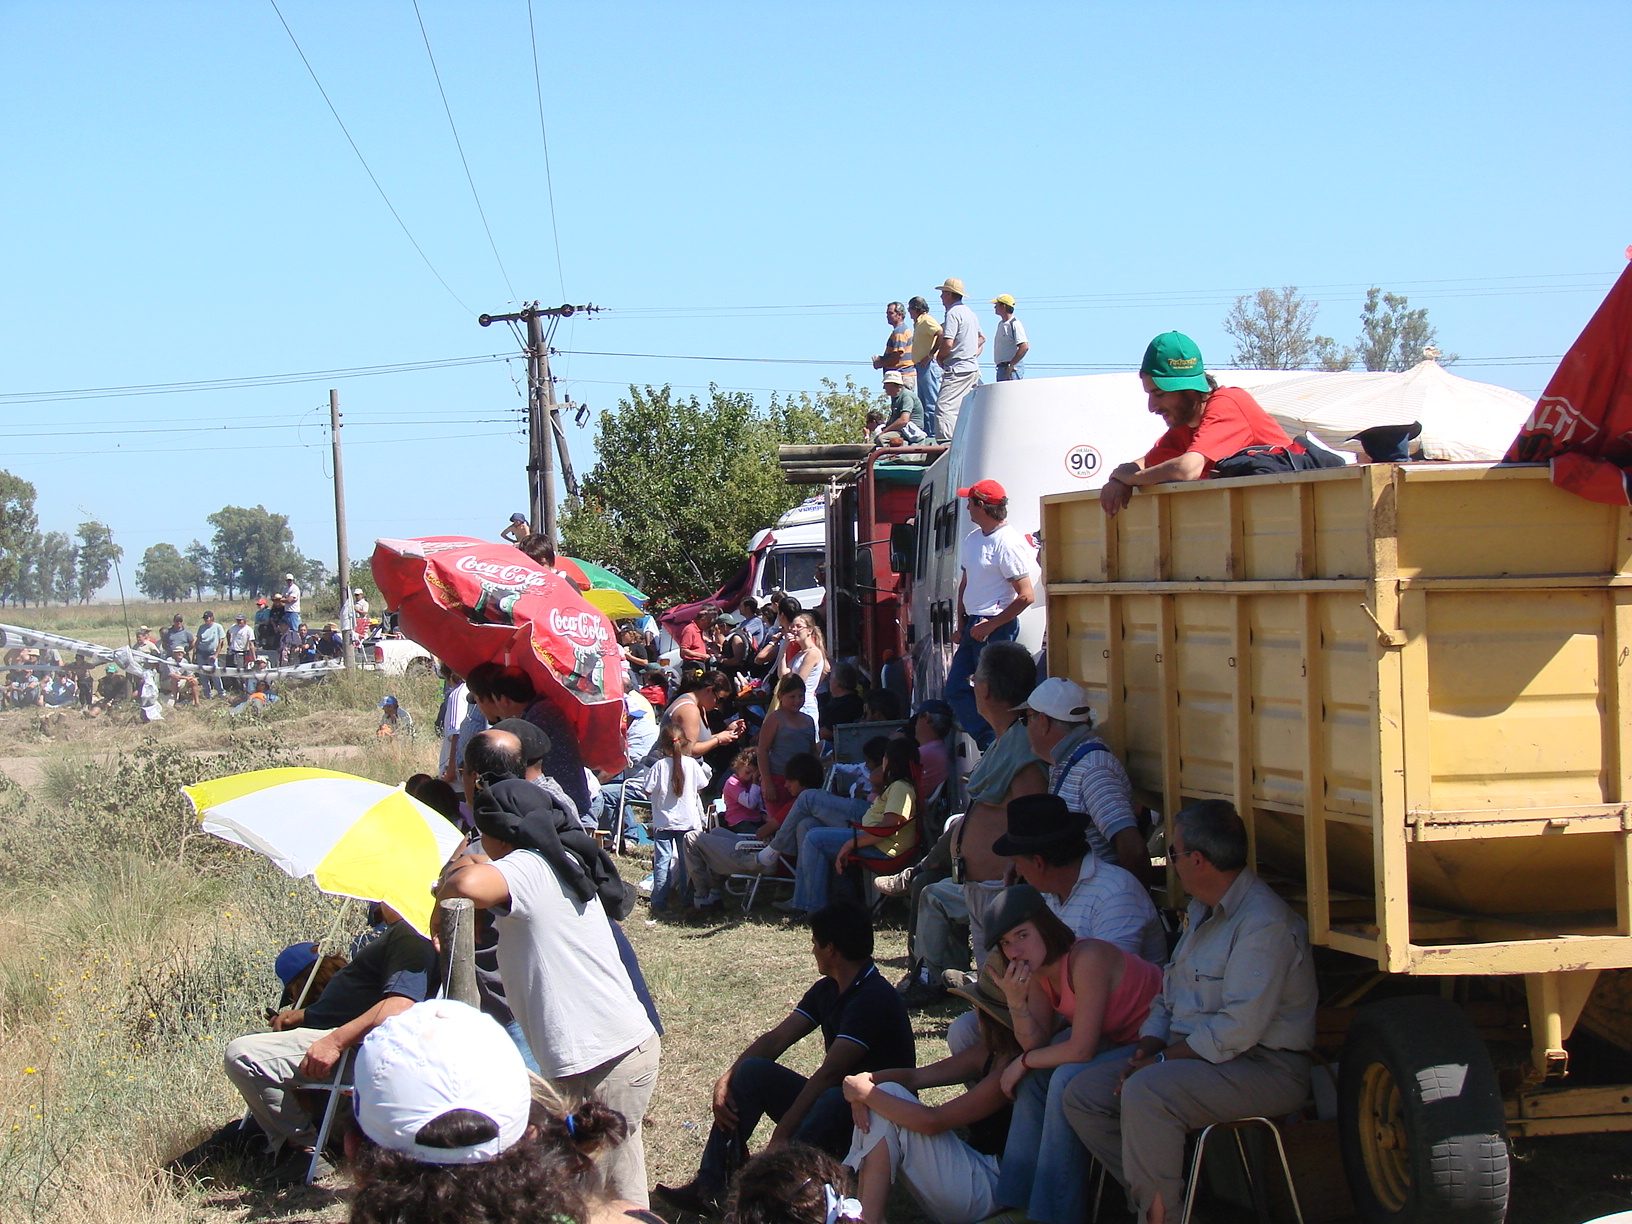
<point>680,485</point>
<point>54,570</point>
<point>253,548</point>
<point>202,560</point>
<point>1275,331</point>
<point>1393,337</point>
<point>97,555</point>
<point>165,574</point>
<point>17,527</point>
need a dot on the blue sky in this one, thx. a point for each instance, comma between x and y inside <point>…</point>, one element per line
<point>181,206</point>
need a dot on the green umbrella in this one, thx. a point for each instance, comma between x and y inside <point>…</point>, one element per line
<point>602,579</point>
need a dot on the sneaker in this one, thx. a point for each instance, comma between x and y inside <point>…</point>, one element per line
<point>695,1196</point>
<point>292,1170</point>
<point>958,979</point>
<point>234,1141</point>
<point>788,907</point>
<point>769,860</point>
<point>922,994</point>
<point>918,973</point>
<point>894,885</point>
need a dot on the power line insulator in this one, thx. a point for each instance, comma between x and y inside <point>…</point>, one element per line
<point>566,312</point>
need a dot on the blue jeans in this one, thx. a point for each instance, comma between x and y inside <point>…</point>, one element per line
<point>213,687</point>
<point>604,806</point>
<point>520,1038</point>
<point>959,695</point>
<point>814,873</point>
<point>1044,1170</point>
<point>814,809</point>
<point>929,386</point>
<point>668,866</point>
<point>759,1087</point>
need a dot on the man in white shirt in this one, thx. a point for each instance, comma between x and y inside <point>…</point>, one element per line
<point>1011,346</point>
<point>961,344</point>
<point>996,586</point>
<point>291,601</point>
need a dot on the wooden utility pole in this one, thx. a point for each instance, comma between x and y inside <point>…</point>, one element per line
<point>543,427</point>
<point>350,652</point>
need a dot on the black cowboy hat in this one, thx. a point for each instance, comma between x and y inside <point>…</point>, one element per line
<point>1016,904</point>
<point>1037,822</point>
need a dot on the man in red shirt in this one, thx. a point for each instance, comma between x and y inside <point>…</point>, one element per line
<point>1205,422</point>
<point>694,639</point>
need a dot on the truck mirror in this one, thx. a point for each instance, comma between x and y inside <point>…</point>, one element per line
<point>903,547</point>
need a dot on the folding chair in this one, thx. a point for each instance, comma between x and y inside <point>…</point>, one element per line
<point>336,1088</point>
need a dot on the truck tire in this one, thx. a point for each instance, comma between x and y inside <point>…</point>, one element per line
<point>419,667</point>
<point>1420,1116</point>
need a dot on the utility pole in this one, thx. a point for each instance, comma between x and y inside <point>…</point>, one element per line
<point>350,653</point>
<point>543,425</point>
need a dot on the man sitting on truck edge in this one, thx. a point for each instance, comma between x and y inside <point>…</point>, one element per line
<point>1205,422</point>
<point>1085,773</point>
<point>1228,1037</point>
<point>993,589</point>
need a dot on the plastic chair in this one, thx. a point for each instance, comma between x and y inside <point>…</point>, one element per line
<point>1236,1128</point>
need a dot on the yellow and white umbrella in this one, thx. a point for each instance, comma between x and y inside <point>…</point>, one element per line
<point>354,837</point>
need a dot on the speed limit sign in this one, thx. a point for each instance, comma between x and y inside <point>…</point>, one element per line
<point>1082,462</point>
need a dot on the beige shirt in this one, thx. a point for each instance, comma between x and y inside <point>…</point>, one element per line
<point>1242,976</point>
<point>926,334</point>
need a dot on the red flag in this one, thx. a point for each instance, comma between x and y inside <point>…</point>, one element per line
<point>1582,424</point>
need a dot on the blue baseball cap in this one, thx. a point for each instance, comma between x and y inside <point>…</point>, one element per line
<point>295,960</point>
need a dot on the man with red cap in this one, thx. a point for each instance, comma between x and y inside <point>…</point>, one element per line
<point>995,587</point>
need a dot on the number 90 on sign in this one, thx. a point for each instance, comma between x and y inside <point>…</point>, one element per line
<point>1083,462</point>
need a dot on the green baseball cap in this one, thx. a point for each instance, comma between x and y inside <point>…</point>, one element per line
<point>1174,363</point>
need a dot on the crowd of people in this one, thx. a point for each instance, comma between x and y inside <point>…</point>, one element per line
<point>1096,1026</point>
<point>930,368</point>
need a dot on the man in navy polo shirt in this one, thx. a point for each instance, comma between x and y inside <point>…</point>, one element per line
<point>864,1027</point>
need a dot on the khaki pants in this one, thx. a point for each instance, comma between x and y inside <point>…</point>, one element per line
<point>1139,1136</point>
<point>264,1067</point>
<point>954,389</point>
<point>625,1084</point>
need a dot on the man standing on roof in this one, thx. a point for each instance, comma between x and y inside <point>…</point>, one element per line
<point>1205,422</point>
<point>897,354</point>
<point>962,342</point>
<point>1011,346</point>
<point>516,530</point>
<point>995,587</point>
<point>926,342</point>
<point>291,601</point>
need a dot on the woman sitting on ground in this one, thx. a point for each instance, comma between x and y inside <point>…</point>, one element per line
<point>898,1138</point>
<point>786,732</point>
<point>1094,993</point>
<point>825,853</point>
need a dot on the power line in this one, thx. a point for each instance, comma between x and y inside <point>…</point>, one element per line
<point>250,380</point>
<point>458,144</point>
<point>104,432</point>
<point>363,160</point>
<point>549,184</point>
<point>91,451</point>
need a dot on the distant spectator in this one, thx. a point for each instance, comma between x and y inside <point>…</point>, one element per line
<point>291,600</point>
<point>673,786</point>
<point>962,342</point>
<point>207,646</point>
<point>147,644</point>
<point>23,690</point>
<point>882,706</point>
<point>113,689</point>
<point>60,690</point>
<point>177,637</point>
<point>825,853</point>
<point>930,727</point>
<point>181,684</point>
<point>694,636</point>
<point>1010,346</point>
<point>844,702</point>
<point>926,342</point>
<point>359,615</point>
<point>752,623</point>
<point>904,423</point>
<point>394,720</point>
<point>786,732</point>
<point>516,530</point>
<point>329,644</point>
<point>508,692</point>
<point>897,355</point>
<point>266,633</point>
<point>240,643</point>
<point>873,426</point>
<point>259,701</point>
<point>654,687</point>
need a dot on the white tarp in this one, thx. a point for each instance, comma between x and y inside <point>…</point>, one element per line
<point>1461,419</point>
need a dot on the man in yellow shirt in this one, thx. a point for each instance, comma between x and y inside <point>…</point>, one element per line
<point>926,339</point>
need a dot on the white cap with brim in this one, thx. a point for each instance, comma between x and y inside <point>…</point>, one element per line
<point>1061,699</point>
<point>436,1057</point>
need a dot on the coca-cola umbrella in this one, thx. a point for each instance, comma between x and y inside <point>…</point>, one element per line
<point>470,602</point>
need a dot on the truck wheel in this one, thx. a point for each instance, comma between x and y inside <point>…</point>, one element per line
<point>1424,1137</point>
<point>418,667</point>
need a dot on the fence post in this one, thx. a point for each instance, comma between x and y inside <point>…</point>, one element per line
<point>459,949</point>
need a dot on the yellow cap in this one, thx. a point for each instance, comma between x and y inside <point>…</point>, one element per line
<point>1004,299</point>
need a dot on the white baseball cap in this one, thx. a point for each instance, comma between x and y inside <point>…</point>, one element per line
<point>356,590</point>
<point>1061,699</point>
<point>438,1056</point>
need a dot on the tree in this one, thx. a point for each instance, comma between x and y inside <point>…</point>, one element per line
<point>164,574</point>
<point>254,549</point>
<point>17,527</point>
<point>203,561</point>
<point>1393,337</point>
<point>97,555</point>
<point>54,572</point>
<point>680,485</point>
<point>1274,331</point>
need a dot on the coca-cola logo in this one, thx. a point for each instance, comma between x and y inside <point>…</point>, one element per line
<point>585,628</point>
<point>505,575</point>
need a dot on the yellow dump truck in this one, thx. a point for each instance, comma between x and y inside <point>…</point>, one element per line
<point>1415,684</point>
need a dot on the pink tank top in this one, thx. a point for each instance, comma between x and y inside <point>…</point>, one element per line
<point>1129,1004</point>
